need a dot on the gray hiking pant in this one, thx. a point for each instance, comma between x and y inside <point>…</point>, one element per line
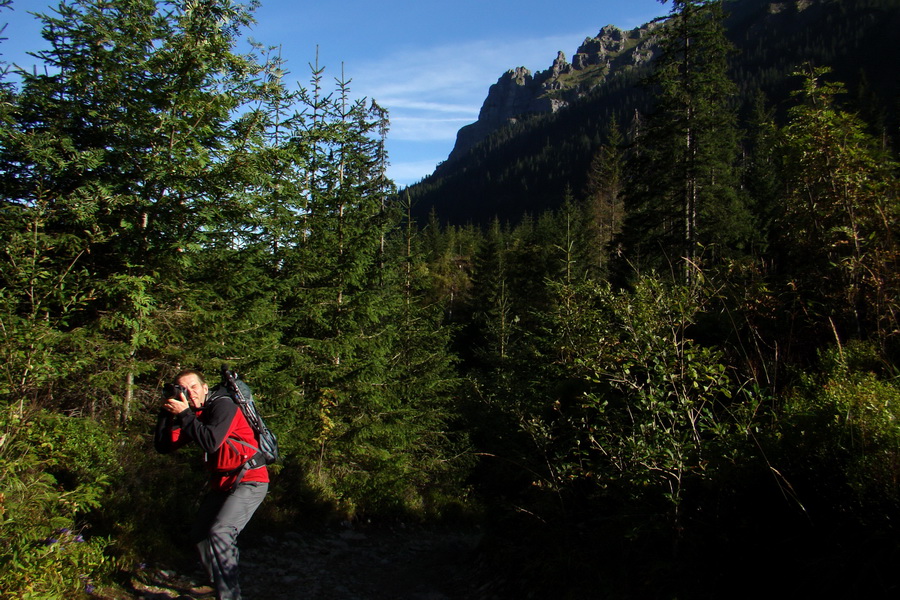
<point>221,518</point>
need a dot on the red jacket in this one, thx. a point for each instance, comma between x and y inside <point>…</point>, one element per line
<point>221,430</point>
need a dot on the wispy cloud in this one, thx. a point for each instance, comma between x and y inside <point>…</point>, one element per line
<point>445,85</point>
<point>430,129</point>
<point>432,92</point>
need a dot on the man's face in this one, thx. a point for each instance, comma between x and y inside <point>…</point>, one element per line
<point>196,388</point>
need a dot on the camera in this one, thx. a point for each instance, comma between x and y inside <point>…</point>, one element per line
<point>173,390</point>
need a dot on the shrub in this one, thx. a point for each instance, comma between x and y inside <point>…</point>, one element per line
<point>45,551</point>
<point>842,433</point>
<point>659,403</point>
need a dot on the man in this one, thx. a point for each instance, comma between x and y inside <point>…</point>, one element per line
<point>215,423</point>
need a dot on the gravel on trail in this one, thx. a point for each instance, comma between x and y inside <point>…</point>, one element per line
<point>343,563</point>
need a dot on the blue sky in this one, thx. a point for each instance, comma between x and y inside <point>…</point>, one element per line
<point>429,63</point>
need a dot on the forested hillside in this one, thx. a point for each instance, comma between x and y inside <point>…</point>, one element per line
<point>680,383</point>
<point>528,166</point>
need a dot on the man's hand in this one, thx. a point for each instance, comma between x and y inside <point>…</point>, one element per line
<point>176,406</point>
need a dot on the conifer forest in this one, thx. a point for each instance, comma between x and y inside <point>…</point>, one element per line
<point>682,380</point>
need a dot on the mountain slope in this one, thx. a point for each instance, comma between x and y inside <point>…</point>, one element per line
<point>527,163</point>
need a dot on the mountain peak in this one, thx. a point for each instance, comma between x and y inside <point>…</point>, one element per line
<point>518,93</point>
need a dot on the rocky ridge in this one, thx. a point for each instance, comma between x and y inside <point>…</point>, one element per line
<point>518,93</point>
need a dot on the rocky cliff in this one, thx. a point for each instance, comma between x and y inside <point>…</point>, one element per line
<point>518,93</point>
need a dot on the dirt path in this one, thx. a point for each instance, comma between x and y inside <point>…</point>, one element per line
<point>350,564</point>
<point>345,563</point>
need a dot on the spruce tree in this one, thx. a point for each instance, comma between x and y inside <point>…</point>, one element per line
<point>358,407</point>
<point>130,147</point>
<point>683,202</point>
<point>761,172</point>
<point>604,200</point>
<point>495,316</point>
<point>450,254</point>
<point>432,449</point>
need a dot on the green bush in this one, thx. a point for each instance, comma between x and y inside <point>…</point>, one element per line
<point>659,404</point>
<point>841,432</point>
<point>45,551</point>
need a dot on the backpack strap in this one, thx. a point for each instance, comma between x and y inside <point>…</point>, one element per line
<point>256,461</point>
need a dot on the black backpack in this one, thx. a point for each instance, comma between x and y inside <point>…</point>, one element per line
<point>240,392</point>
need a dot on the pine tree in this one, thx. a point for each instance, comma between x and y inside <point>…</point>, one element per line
<point>424,379</point>
<point>684,202</point>
<point>762,172</point>
<point>495,316</point>
<point>450,256</point>
<point>605,211</point>
<point>342,319</point>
